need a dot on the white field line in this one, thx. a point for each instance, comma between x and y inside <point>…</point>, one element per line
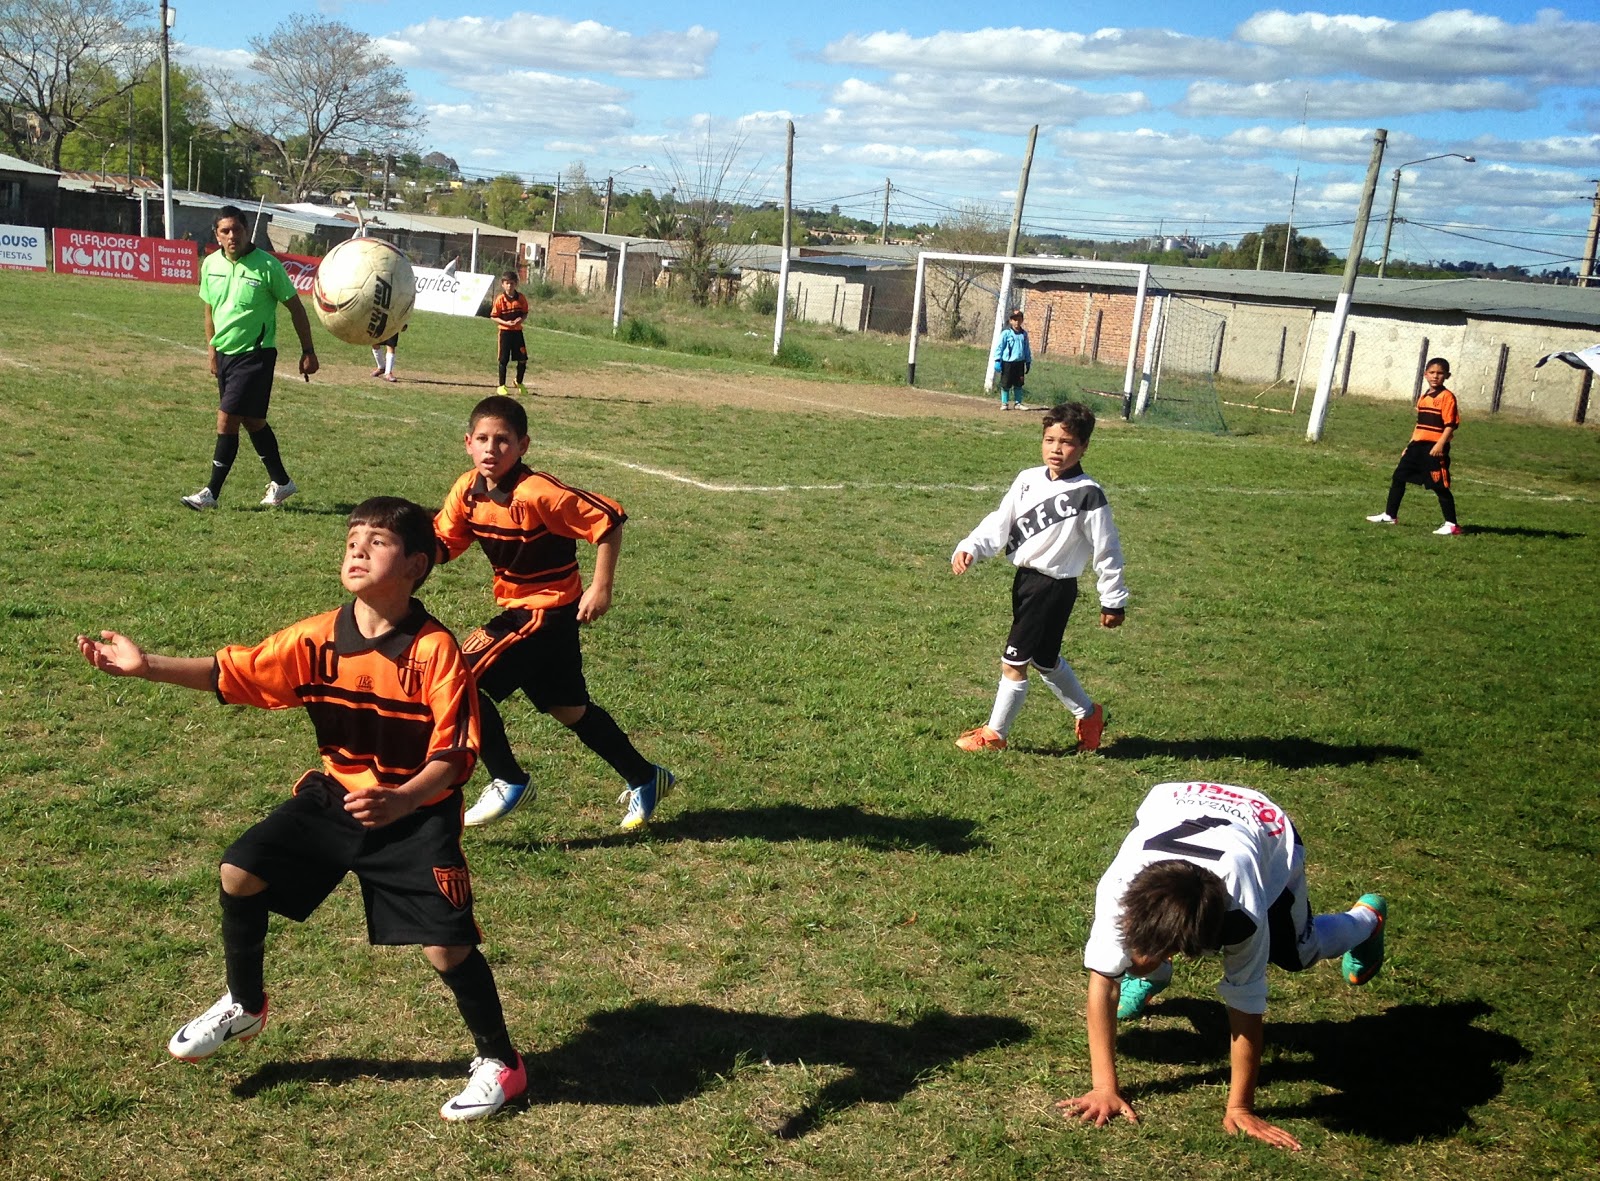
<point>17,363</point>
<point>188,348</point>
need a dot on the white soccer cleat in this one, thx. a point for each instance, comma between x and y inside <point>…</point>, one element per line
<point>278,493</point>
<point>497,800</point>
<point>200,501</point>
<point>223,1022</point>
<point>1381,519</point>
<point>491,1086</point>
<point>1449,529</point>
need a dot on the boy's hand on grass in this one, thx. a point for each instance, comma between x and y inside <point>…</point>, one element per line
<point>115,654</point>
<point>1111,619</point>
<point>1252,1124</point>
<point>960,562</point>
<point>1097,1107</point>
<point>374,807</point>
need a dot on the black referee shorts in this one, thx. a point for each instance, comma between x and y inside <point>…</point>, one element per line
<point>415,886</point>
<point>244,382</point>
<point>535,651</point>
<point>1040,608</point>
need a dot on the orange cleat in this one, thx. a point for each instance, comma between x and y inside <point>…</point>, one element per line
<point>981,738</point>
<point>1091,728</point>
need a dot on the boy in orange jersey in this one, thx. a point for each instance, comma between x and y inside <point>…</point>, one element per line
<point>396,721</point>
<point>509,311</point>
<point>1426,459</point>
<point>529,524</point>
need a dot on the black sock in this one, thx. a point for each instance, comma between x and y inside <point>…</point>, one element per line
<point>1397,489</point>
<point>267,447</point>
<point>244,940</point>
<point>494,747</point>
<point>472,982</point>
<point>522,371</point>
<point>222,462</point>
<point>1447,504</point>
<point>601,734</point>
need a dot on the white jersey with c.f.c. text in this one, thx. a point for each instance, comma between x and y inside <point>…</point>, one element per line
<point>1054,526</point>
<point>1239,835</point>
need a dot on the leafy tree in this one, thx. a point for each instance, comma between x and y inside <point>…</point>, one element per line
<point>140,133</point>
<point>1305,254</point>
<point>321,89</point>
<point>580,202</point>
<point>62,62</point>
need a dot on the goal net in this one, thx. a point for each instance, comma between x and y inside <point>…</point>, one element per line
<point>1184,355</point>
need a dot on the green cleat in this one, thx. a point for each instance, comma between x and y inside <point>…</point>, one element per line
<point>1363,961</point>
<point>1135,995</point>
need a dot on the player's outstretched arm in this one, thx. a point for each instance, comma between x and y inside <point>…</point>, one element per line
<point>1104,1102</point>
<point>117,655</point>
<point>1247,1032</point>
<point>596,600</point>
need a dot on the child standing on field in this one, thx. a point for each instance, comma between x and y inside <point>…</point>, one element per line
<point>1210,869</point>
<point>509,311</point>
<point>1012,360</point>
<point>396,721</point>
<point>1426,459</point>
<point>529,524</point>
<point>1053,521</point>
<point>383,356</point>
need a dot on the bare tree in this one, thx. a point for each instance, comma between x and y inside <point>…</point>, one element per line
<point>707,191</point>
<point>61,61</point>
<point>973,229</point>
<point>321,90</point>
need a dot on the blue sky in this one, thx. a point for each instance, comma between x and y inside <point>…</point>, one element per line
<point>1174,118</point>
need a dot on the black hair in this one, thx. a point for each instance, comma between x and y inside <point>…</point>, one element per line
<point>513,276</point>
<point>1077,418</point>
<point>1015,314</point>
<point>408,521</point>
<point>1432,361</point>
<point>1172,908</point>
<point>508,410</point>
<point>225,213</point>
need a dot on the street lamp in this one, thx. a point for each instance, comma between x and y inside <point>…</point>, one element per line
<point>103,156</point>
<point>605,216</point>
<point>1394,196</point>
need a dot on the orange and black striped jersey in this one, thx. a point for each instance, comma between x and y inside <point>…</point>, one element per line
<point>383,708</point>
<point>529,526</point>
<point>1435,414</point>
<point>509,307</point>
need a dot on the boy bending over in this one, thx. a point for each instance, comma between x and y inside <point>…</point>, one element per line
<point>397,726</point>
<point>1210,869</point>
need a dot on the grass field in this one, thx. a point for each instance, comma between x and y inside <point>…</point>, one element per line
<point>844,949</point>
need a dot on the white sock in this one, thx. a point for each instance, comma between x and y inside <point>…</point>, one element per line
<point>1008,700</point>
<point>1063,683</point>
<point>1336,934</point>
<point>377,357</point>
<point>388,364</point>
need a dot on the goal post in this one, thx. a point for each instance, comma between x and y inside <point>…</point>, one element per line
<point>1005,267</point>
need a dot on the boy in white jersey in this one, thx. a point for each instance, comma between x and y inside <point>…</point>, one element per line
<point>1053,521</point>
<point>1210,869</point>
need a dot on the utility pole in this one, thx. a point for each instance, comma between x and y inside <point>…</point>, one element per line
<point>783,263</point>
<point>1341,309</point>
<point>1586,275</point>
<point>1000,306</point>
<point>555,204</point>
<point>168,16</point>
<point>887,187</point>
<point>605,211</point>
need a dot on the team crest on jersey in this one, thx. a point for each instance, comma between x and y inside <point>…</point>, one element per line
<point>410,674</point>
<point>517,513</point>
<point>364,684</point>
<point>454,884</point>
<point>477,640</point>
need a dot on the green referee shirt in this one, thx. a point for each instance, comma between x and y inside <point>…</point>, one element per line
<point>244,298</point>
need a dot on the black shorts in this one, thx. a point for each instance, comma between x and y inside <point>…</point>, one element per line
<point>1418,465</point>
<point>244,382</point>
<point>513,345</point>
<point>1012,374</point>
<point>535,651</point>
<point>414,880</point>
<point>1040,608</point>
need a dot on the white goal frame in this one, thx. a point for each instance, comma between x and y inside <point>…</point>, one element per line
<point>1008,265</point>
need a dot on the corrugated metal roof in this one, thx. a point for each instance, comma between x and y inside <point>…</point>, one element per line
<point>1491,298</point>
<point>17,164</point>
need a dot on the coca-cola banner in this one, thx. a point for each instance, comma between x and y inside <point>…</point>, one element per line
<point>302,270</point>
<point>125,256</point>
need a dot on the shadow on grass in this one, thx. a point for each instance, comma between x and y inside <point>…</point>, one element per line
<point>844,823</point>
<point>651,1055</point>
<point>1295,754</point>
<point>1520,531</point>
<point>1413,1072</point>
<point>344,1070</point>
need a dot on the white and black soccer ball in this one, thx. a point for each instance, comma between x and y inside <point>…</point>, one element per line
<point>364,290</point>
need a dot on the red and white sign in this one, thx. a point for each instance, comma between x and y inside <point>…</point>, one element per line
<point>125,256</point>
<point>302,270</point>
<point>22,248</point>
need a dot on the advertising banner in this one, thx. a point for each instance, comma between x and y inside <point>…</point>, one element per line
<point>22,248</point>
<point>125,256</point>
<point>460,294</point>
<point>302,269</point>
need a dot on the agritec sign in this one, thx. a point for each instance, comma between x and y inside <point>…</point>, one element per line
<point>22,248</point>
<point>460,294</point>
<point>125,256</point>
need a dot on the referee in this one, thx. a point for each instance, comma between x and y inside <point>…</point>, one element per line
<point>242,286</point>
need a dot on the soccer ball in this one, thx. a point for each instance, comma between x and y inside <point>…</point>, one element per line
<point>364,290</point>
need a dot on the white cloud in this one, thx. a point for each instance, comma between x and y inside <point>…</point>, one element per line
<point>1324,99</point>
<point>474,45</point>
<point>1053,53</point>
<point>1570,151</point>
<point>936,104</point>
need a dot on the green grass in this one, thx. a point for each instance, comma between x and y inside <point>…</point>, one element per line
<point>845,949</point>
